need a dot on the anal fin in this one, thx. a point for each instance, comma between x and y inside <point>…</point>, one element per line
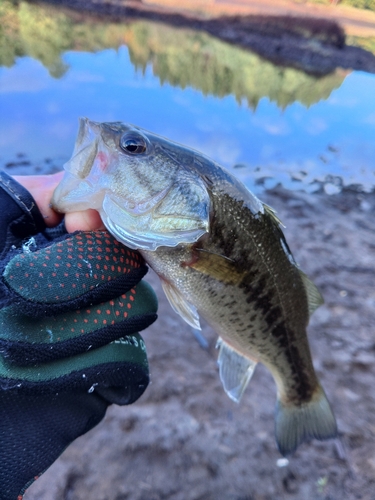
<point>235,370</point>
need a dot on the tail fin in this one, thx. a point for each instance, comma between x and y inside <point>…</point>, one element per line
<point>296,424</point>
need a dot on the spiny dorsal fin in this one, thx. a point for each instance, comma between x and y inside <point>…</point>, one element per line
<point>235,370</point>
<point>278,225</point>
<point>272,213</point>
<point>314,297</point>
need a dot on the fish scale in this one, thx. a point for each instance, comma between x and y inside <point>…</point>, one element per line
<point>220,253</point>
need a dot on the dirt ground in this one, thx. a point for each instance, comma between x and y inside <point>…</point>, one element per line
<point>185,440</point>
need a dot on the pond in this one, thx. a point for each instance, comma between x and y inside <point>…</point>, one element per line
<point>269,124</point>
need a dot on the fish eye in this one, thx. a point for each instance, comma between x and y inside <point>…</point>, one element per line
<point>133,144</point>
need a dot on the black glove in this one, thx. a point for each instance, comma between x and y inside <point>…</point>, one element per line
<point>70,309</point>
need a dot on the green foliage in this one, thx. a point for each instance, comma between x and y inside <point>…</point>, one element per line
<point>10,42</point>
<point>358,4</point>
<point>30,30</point>
<point>45,36</point>
<point>366,43</point>
<point>183,58</point>
<point>187,58</point>
<point>45,33</point>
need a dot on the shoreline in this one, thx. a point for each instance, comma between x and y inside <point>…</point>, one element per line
<point>315,45</point>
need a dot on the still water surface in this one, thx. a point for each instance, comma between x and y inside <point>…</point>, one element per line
<point>268,124</point>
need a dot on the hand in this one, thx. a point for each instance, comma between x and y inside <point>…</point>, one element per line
<point>41,188</point>
<point>70,309</point>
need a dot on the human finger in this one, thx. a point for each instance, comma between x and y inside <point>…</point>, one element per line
<point>41,188</point>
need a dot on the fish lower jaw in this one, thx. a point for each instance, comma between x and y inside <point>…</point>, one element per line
<point>75,195</point>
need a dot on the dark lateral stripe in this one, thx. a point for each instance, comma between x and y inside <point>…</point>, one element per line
<point>302,387</point>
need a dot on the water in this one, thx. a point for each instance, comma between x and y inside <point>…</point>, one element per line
<point>270,125</point>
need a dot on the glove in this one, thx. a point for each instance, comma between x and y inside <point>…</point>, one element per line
<point>71,307</point>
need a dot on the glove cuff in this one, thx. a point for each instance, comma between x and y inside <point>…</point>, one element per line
<point>19,214</point>
<point>120,365</point>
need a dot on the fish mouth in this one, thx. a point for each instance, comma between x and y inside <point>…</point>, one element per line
<point>87,131</point>
<point>85,149</point>
<point>73,192</point>
<point>77,186</point>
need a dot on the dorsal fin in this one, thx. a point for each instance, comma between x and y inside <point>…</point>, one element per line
<point>278,225</point>
<point>314,297</point>
<point>272,213</point>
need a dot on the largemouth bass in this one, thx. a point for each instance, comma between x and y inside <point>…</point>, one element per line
<point>220,253</point>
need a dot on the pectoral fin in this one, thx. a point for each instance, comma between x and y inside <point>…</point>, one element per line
<point>235,370</point>
<point>217,266</point>
<point>180,305</point>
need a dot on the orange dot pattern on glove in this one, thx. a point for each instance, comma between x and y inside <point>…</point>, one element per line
<point>99,316</point>
<point>70,268</point>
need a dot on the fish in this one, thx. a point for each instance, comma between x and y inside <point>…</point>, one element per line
<point>220,254</point>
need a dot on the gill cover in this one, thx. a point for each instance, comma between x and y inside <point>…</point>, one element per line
<point>146,200</point>
<point>148,230</point>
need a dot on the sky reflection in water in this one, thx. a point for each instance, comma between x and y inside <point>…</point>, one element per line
<point>332,140</point>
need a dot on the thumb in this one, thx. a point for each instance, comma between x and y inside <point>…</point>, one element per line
<point>87,220</point>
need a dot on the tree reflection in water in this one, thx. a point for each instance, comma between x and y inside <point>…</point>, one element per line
<point>197,60</point>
